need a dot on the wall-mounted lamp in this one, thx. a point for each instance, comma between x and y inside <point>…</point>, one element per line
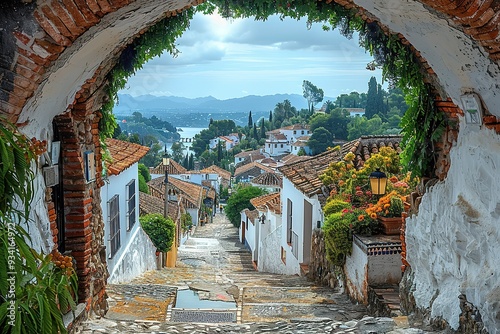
<point>262,218</point>
<point>378,182</point>
<point>471,105</point>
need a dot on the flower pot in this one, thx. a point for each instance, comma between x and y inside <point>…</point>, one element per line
<point>392,225</point>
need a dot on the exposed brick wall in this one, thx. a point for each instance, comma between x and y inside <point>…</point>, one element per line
<point>84,224</point>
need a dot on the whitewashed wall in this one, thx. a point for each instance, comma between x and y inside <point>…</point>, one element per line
<point>270,246</point>
<point>453,245</point>
<point>356,272</point>
<point>136,253</point>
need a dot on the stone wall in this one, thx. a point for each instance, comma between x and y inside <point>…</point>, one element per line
<point>320,270</point>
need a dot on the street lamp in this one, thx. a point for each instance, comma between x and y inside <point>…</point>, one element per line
<point>166,163</point>
<point>378,182</point>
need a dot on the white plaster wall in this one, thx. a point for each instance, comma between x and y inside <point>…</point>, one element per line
<point>138,256</point>
<point>460,64</point>
<point>384,269</point>
<point>116,184</point>
<point>270,248</point>
<point>356,271</point>
<point>297,198</point>
<point>453,244</point>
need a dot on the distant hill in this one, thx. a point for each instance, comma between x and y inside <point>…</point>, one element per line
<point>181,111</point>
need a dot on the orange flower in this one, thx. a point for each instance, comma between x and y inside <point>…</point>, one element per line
<point>387,206</point>
<point>361,218</point>
<point>373,215</point>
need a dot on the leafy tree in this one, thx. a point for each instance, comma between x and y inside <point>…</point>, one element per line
<point>134,139</point>
<point>301,152</point>
<point>159,229</point>
<point>270,116</point>
<point>153,157</point>
<point>255,134</point>
<point>239,201</point>
<point>312,94</point>
<point>320,140</point>
<point>335,122</point>
<point>143,186</point>
<point>177,151</point>
<point>361,126</point>
<point>144,171</point>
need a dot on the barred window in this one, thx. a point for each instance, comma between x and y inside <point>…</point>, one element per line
<point>114,225</point>
<point>131,216</point>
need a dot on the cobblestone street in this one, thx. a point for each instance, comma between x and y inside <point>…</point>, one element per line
<point>216,265</point>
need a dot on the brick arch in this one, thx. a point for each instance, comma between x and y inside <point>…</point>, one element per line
<point>56,61</point>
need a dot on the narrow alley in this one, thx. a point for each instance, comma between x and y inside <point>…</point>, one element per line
<point>218,267</point>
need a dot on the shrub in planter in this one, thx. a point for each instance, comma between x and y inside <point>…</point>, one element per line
<point>159,229</point>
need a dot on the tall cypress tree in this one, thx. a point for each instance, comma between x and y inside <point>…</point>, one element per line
<point>372,99</point>
<point>271,116</point>
<point>262,129</point>
<point>250,121</point>
<point>255,134</point>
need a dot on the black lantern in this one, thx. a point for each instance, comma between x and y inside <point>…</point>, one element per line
<point>378,182</point>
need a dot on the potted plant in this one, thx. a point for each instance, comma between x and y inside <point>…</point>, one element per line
<point>388,211</point>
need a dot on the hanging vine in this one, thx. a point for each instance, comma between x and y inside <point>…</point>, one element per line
<point>152,43</point>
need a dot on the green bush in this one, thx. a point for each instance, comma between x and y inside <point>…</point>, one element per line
<point>239,201</point>
<point>338,238</point>
<point>186,222</point>
<point>143,186</point>
<point>144,171</point>
<point>159,229</point>
<point>335,205</point>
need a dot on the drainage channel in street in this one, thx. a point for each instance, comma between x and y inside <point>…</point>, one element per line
<point>189,307</point>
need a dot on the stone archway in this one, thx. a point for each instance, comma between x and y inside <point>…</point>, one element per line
<point>56,55</point>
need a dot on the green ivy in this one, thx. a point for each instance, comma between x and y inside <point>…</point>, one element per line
<point>152,43</point>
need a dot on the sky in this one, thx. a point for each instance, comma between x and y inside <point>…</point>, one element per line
<point>239,57</point>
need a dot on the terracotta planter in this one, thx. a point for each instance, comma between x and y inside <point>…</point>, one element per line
<point>391,226</point>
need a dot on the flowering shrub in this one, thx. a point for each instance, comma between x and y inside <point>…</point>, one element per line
<point>390,205</point>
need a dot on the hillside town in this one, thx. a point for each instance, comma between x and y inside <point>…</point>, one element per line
<point>332,209</point>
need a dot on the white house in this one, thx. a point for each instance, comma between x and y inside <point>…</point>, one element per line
<point>302,198</point>
<point>301,142</point>
<point>269,257</point>
<point>129,251</point>
<point>249,232</point>
<point>279,141</point>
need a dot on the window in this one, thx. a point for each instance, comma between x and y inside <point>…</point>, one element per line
<point>295,132</point>
<point>295,245</point>
<point>275,145</point>
<point>114,225</point>
<point>289,221</point>
<point>281,145</point>
<point>283,255</point>
<point>302,131</point>
<point>131,216</point>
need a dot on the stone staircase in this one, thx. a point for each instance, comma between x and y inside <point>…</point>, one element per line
<point>384,301</point>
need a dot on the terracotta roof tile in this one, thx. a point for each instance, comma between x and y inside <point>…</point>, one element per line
<point>191,192</point>
<point>248,153</point>
<point>173,168</point>
<point>247,167</point>
<point>217,170</point>
<point>251,214</point>
<point>305,174</point>
<point>151,204</point>
<point>292,158</point>
<point>124,154</point>
<point>268,179</point>
<point>268,201</point>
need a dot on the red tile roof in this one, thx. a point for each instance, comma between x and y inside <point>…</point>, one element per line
<point>217,170</point>
<point>124,154</point>
<point>247,167</point>
<point>305,174</point>
<point>268,179</point>
<point>173,168</point>
<point>268,201</point>
<point>151,204</point>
